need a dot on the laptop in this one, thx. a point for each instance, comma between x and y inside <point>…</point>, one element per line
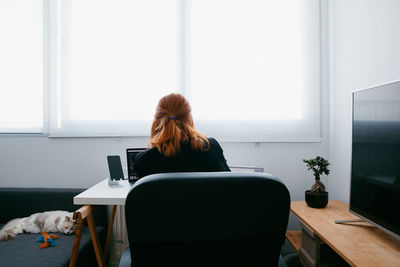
<point>130,157</point>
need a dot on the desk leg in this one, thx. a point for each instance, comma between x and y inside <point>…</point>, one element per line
<point>95,240</point>
<point>77,239</point>
<point>109,230</point>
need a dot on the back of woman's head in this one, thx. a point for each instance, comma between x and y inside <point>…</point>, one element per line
<point>173,125</point>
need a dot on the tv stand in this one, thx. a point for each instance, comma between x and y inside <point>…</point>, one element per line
<point>324,242</point>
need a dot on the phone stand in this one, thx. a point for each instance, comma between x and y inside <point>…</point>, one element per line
<point>112,182</point>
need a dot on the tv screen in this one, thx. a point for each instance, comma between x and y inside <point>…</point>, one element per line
<point>375,172</point>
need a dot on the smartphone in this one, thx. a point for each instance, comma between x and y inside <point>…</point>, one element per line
<point>115,167</point>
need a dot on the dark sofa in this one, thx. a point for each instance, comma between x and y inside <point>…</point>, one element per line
<point>24,250</point>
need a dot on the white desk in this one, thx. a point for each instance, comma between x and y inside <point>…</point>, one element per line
<point>103,194</point>
<point>99,194</point>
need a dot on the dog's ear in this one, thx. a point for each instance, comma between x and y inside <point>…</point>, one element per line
<point>67,219</point>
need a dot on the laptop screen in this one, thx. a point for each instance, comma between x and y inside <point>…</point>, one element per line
<point>130,156</point>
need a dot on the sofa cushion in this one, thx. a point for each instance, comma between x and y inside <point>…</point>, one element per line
<point>23,202</point>
<point>25,251</point>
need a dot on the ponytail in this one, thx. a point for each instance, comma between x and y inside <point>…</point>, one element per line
<point>173,126</point>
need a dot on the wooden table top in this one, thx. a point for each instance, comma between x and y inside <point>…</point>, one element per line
<point>360,244</point>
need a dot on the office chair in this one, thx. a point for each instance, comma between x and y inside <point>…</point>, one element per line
<point>206,219</point>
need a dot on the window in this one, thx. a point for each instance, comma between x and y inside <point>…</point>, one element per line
<point>250,68</point>
<point>21,66</point>
<point>254,69</point>
<point>117,58</point>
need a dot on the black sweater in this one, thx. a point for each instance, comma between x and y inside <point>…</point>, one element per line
<point>152,161</point>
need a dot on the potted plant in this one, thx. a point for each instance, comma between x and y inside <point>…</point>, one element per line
<point>317,197</point>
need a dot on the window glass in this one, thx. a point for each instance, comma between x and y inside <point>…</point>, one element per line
<point>21,66</point>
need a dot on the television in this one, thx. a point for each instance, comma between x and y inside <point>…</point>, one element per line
<point>375,160</point>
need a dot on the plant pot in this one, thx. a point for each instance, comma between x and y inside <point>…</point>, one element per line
<point>316,200</point>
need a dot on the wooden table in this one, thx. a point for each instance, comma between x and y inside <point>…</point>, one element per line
<point>359,244</point>
<point>99,194</point>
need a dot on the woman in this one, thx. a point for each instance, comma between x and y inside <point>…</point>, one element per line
<point>175,145</point>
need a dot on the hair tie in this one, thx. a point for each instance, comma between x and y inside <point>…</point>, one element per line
<point>171,117</point>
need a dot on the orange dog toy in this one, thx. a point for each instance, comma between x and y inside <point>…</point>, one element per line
<point>47,239</point>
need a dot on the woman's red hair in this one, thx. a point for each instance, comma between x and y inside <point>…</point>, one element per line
<point>173,125</point>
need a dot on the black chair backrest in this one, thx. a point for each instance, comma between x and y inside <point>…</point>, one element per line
<point>207,219</point>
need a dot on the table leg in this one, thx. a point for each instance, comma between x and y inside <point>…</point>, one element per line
<point>109,230</point>
<point>86,213</point>
<point>95,240</point>
<point>77,239</point>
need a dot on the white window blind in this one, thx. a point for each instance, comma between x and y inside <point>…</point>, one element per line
<point>250,68</point>
<point>117,57</point>
<point>255,69</point>
<point>21,66</point>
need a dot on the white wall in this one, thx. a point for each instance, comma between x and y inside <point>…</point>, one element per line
<point>81,162</point>
<point>365,43</point>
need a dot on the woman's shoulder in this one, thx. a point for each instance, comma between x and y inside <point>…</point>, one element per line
<point>144,162</point>
<point>213,141</point>
<point>148,153</point>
